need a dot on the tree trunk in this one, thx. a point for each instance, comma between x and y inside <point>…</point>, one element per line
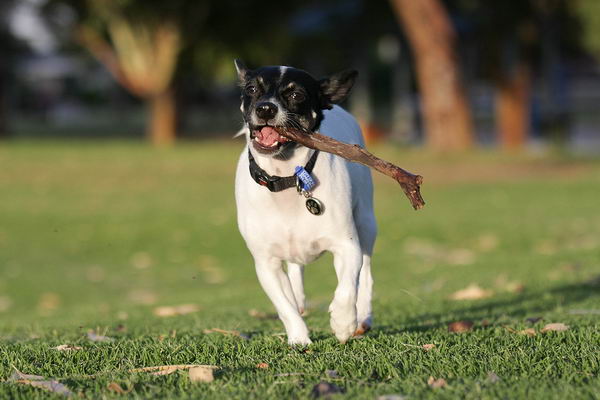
<point>512,108</point>
<point>446,114</point>
<point>162,118</point>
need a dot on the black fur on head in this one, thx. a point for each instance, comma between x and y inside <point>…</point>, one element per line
<point>288,97</point>
<point>336,88</point>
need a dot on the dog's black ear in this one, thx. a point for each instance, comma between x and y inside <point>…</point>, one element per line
<point>241,68</point>
<point>336,88</point>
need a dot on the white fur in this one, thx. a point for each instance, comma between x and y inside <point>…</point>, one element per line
<point>277,227</point>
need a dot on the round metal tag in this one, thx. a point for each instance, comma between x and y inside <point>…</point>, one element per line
<point>314,206</point>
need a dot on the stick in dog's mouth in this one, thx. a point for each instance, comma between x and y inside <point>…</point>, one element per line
<point>410,183</point>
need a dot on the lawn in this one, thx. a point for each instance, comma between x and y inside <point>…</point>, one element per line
<point>96,236</point>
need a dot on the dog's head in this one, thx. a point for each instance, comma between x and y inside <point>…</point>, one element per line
<point>286,97</point>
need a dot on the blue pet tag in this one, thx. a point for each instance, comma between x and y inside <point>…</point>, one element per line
<point>305,183</point>
<point>305,179</point>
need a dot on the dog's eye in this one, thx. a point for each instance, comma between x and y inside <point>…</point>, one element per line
<point>251,90</point>
<point>297,96</point>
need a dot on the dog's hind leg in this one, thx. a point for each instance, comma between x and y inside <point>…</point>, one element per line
<point>296,274</point>
<point>363,301</point>
<point>347,260</point>
<point>367,232</point>
<point>277,286</point>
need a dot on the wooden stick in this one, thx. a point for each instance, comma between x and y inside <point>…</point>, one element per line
<point>411,184</point>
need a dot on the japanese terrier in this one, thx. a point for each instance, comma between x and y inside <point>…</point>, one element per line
<point>295,203</point>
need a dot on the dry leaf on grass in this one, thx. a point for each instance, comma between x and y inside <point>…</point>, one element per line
<point>212,272</point>
<point>225,332</point>
<point>460,257</point>
<point>95,337</point>
<point>67,347</point>
<point>556,327</point>
<point>428,346</point>
<point>170,311</point>
<point>261,314</point>
<point>141,260</point>
<point>514,287</point>
<point>115,387</point>
<point>202,374</point>
<point>492,377</point>
<point>436,383</point>
<point>143,296</point>
<point>262,365</point>
<point>392,397</point>
<point>472,292</point>
<point>460,326</point>
<point>5,303</point>
<point>528,332</point>
<point>40,382</point>
<point>48,303</point>
<point>503,283</point>
<point>324,389</point>
<point>169,369</point>
<point>487,242</point>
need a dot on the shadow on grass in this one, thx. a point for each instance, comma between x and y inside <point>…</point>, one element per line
<point>522,306</point>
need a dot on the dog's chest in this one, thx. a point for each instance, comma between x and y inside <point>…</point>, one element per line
<point>284,228</point>
<point>298,248</point>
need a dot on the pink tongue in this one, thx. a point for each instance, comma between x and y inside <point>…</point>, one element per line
<point>267,136</point>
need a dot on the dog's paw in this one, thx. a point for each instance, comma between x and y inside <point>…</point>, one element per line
<point>299,341</point>
<point>344,335</point>
<point>343,330</point>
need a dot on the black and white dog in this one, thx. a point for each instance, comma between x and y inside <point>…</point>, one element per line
<point>295,203</point>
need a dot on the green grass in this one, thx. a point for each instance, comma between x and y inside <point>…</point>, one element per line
<point>96,235</point>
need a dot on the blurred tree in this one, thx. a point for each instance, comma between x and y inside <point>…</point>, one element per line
<point>507,34</point>
<point>446,113</point>
<point>150,44</point>
<point>515,40</point>
<point>139,43</point>
<point>142,55</point>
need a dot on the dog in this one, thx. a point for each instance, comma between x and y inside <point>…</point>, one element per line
<point>294,203</point>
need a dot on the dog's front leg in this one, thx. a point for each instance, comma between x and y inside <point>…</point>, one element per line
<point>296,275</point>
<point>276,284</point>
<point>347,261</point>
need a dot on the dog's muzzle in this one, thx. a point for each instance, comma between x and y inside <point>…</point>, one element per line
<point>267,140</point>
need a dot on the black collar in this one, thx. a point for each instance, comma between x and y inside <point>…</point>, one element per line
<point>277,183</point>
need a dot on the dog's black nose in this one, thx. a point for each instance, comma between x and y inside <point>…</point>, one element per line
<point>266,110</point>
